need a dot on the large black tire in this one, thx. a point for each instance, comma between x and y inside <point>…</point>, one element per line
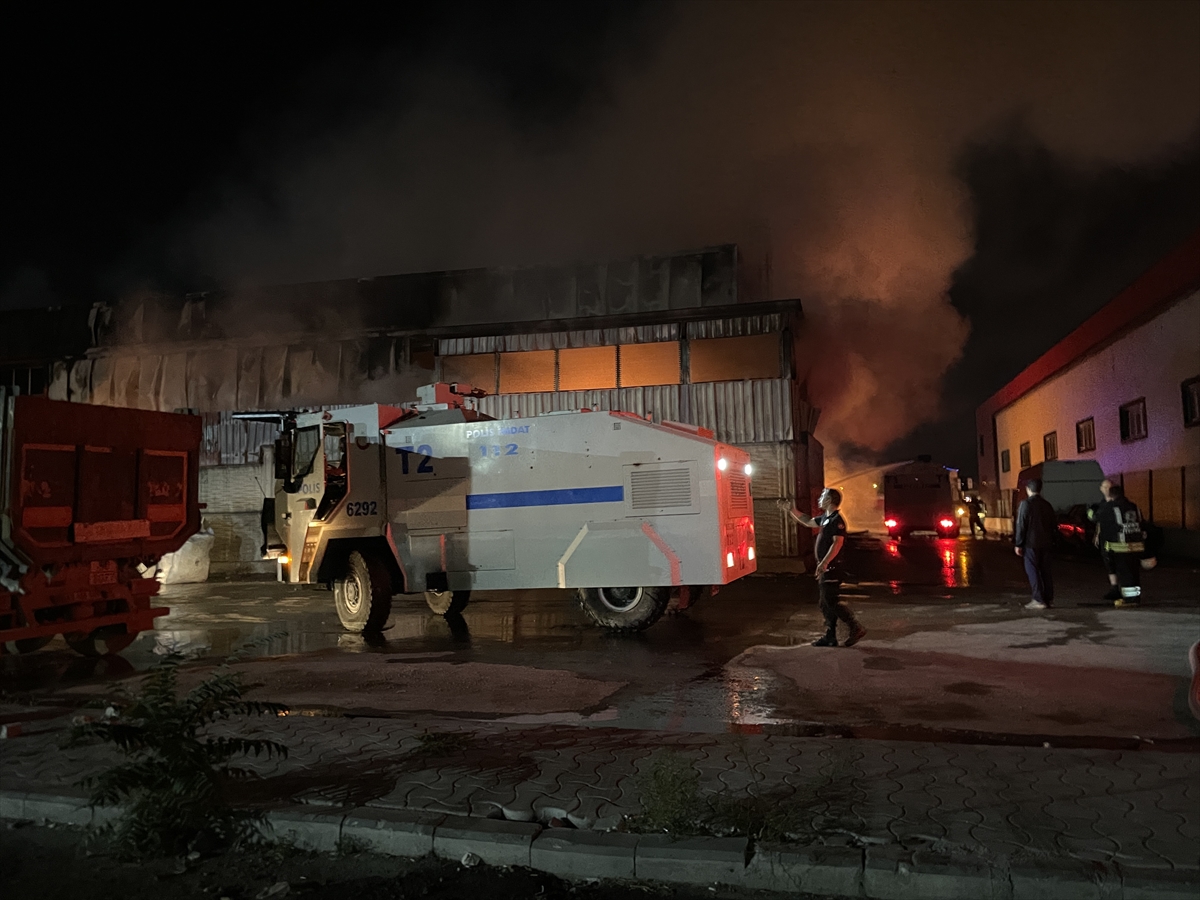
<point>625,609</point>
<point>447,603</point>
<point>696,592</point>
<point>101,642</point>
<point>25,645</point>
<point>363,596</point>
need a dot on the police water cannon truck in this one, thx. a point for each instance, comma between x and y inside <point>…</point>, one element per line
<point>441,500</point>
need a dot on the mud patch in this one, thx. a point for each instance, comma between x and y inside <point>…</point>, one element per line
<point>1066,717</point>
<point>941,712</point>
<point>968,688</point>
<point>884,663</point>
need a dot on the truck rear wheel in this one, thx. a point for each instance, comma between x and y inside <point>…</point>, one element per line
<point>101,642</point>
<point>625,609</point>
<point>363,597</point>
<point>25,645</point>
<point>447,603</point>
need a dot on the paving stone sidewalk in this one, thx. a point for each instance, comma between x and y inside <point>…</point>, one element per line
<point>1131,808</point>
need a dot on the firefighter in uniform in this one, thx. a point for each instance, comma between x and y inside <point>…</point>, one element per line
<point>1096,515</point>
<point>1122,540</point>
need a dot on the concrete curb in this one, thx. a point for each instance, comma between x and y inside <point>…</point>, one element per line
<point>883,872</point>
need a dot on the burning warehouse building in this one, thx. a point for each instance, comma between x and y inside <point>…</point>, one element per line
<point>684,337</point>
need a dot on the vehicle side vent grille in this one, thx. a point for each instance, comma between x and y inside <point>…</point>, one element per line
<point>739,492</point>
<point>661,489</point>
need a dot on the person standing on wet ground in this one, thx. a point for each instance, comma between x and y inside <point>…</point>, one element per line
<point>1034,534</point>
<point>1121,538</point>
<point>1105,531</point>
<point>831,536</point>
<point>975,513</point>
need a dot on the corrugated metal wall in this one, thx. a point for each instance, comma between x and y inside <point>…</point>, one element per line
<point>234,442</point>
<point>739,412</point>
<point>233,495</point>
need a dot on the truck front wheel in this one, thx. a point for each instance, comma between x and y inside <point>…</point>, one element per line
<point>625,609</point>
<point>364,595</point>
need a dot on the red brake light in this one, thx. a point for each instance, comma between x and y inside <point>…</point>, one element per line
<point>891,523</point>
<point>946,523</point>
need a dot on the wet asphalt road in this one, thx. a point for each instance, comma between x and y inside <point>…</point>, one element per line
<point>950,653</point>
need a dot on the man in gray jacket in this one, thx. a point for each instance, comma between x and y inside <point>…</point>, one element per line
<point>1034,535</point>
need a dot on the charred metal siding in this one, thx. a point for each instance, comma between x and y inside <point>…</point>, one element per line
<point>234,442</point>
<point>738,412</point>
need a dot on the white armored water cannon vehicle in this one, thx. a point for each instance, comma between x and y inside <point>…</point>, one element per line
<point>441,500</point>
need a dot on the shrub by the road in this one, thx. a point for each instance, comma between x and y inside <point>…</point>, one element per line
<point>176,782</point>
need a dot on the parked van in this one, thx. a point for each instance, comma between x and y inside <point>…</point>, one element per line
<point>1070,486</point>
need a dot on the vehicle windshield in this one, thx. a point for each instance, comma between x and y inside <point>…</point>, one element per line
<point>306,444</point>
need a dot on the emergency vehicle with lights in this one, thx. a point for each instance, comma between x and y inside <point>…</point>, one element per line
<point>922,498</point>
<point>441,500</point>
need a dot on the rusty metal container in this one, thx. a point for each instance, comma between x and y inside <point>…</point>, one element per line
<point>87,495</point>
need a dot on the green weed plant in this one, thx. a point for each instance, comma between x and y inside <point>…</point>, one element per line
<point>176,783</point>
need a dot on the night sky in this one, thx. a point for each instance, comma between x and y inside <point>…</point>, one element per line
<point>950,188</point>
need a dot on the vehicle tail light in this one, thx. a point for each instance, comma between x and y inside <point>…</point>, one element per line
<point>946,523</point>
<point>891,523</point>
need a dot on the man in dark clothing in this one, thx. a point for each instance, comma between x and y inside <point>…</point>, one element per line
<point>1122,540</point>
<point>1034,534</point>
<point>975,513</point>
<point>831,535</point>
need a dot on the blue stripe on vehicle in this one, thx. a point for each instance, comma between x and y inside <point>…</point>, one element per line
<point>612,494</point>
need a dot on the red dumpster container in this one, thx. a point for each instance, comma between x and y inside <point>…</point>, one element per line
<point>87,493</point>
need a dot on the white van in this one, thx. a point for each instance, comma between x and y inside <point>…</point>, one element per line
<point>1070,486</point>
<point>1065,483</point>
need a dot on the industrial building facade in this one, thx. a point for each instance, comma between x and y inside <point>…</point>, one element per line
<point>665,337</point>
<point>1122,389</point>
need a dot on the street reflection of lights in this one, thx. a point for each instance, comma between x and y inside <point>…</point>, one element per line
<point>893,548</point>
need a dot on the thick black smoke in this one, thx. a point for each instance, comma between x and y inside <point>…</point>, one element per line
<point>827,138</point>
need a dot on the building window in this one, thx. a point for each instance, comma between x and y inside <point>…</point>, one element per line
<point>477,370</point>
<point>527,372</point>
<point>1085,435</point>
<point>1191,401</point>
<point>1050,446</point>
<point>734,359</point>
<point>653,363</point>
<point>1133,421</point>
<point>1026,457</point>
<point>587,369</point>
<point>1005,461</point>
